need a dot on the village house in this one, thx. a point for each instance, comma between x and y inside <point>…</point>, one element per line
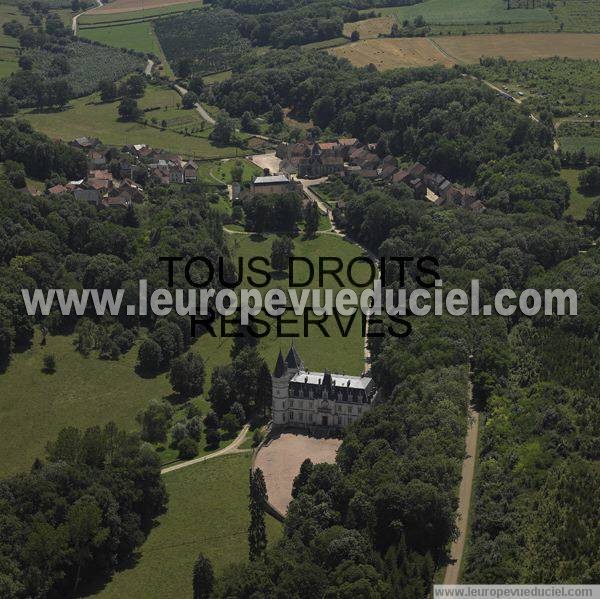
<point>88,195</point>
<point>85,143</point>
<point>274,185</point>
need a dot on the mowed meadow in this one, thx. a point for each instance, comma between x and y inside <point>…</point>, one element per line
<point>388,53</point>
<point>89,116</point>
<point>208,512</point>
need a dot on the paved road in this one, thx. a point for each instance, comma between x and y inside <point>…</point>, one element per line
<point>464,495</point>
<point>201,111</point>
<point>99,3</point>
<point>231,448</point>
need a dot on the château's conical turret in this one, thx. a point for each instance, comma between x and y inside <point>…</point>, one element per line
<point>293,359</point>
<point>280,368</point>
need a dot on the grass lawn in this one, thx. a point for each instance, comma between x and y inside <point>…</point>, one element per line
<point>83,392</point>
<point>579,202</point>
<point>222,170</point>
<point>208,512</point>
<point>573,144</point>
<point>87,116</point>
<point>7,67</point>
<point>136,36</point>
<point>335,352</point>
<point>332,43</point>
<point>217,77</point>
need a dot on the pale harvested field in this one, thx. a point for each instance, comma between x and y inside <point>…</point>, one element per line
<point>370,28</point>
<point>522,46</point>
<point>386,53</point>
<point>119,6</point>
<point>281,459</point>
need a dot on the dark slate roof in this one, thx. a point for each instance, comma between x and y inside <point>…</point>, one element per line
<point>280,368</point>
<point>293,359</point>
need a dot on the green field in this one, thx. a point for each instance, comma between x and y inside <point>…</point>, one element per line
<point>217,77</point>
<point>579,202</point>
<point>332,43</point>
<point>208,512</point>
<point>136,36</point>
<point>7,67</point>
<point>573,144</point>
<point>337,353</point>
<point>464,12</point>
<point>137,15</point>
<point>221,171</point>
<point>455,17</point>
<point>87,116</point>
<point>83,392</point>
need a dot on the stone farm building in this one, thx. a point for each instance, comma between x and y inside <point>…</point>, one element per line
<point>275,184</point>
<point>316,400</point>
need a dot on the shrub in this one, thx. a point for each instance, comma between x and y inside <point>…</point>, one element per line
<point>213,437</point>
<point>194,428</point>
<point>230,423</point>
<point>49,364</point>
<point>188,448</point>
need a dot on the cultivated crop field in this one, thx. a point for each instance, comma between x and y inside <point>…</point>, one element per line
<point>137,14</point>
<point>521,46</point>
<point>209,38</point>
<point>135,36</point>
<point>386,53</point>
<point>370,28</point>
<point>124,6</point>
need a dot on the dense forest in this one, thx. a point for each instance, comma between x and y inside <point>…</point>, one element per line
<point>80,514</point>
<point>456,126</point>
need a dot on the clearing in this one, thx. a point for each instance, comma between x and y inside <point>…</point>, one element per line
<point>280,460</point>
<point>370,28</point>
<point>82,392</point>
<point>208,512</point>
<point>579,202</point>
<point>88,116</point>
<point>387,53</point>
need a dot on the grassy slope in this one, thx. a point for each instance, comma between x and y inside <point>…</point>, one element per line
<point>88,117</point>
<point>149,13</point>
<point>572,144</point>
<point>459,12</point>
<point>83,392</point>
<point>136,36</point>
<point>579,202</point>
<point>207,512</point>
<point>335,352</point>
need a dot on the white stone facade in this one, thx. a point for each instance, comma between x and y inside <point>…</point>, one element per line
<point>317,399</point>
